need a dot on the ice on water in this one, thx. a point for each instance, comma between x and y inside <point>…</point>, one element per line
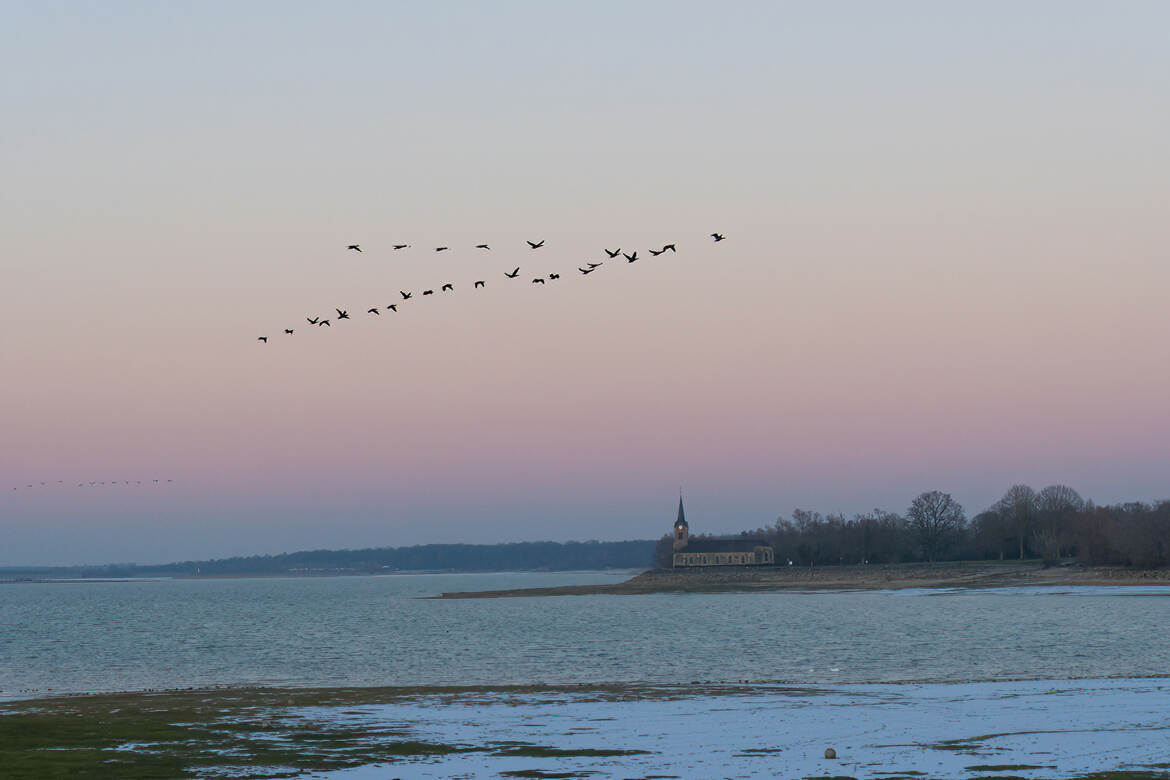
<point>940,730</point>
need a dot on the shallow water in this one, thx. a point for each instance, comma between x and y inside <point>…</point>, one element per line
<point>378,631</point>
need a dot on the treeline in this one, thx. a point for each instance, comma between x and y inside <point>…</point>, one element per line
<point>1053,524</point>
<point>519,556</point>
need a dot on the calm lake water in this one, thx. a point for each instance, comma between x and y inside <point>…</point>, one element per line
<point>80,637</point>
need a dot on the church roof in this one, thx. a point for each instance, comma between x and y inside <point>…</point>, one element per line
<point>734,544</point>
<point>682,518</point>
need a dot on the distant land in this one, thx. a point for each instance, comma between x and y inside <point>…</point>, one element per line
<point>515,556</point>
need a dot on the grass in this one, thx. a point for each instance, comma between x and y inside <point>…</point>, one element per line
<point>245,733</point>
<point>188,735</point>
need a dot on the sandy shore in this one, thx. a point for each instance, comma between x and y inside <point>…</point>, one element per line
<point>964,574</point>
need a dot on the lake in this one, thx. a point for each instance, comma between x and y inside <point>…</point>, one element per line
<point>382,631</point>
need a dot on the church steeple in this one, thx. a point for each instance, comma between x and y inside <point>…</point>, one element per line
<point>682,531</point>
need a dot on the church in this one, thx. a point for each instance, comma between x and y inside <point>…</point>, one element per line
<point>729,551</point>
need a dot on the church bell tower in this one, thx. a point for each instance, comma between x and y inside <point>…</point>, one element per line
<point>682,531</point>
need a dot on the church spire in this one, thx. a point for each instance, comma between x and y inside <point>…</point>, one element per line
<point>682,518</point>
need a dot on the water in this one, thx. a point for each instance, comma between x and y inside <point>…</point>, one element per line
<point>364,631</point>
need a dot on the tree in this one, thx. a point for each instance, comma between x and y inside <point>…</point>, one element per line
<point>664,552</point>
<point>1018,507</point>
<point>935,517</point>
<point>1055,507</point>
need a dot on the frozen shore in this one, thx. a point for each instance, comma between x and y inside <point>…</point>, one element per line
<point>1039,729</point>
<point>1021,729</point>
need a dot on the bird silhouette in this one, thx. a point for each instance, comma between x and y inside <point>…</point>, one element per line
<point>536,245</point>
<point>448,287</point>
<point>405,295</point>
<point>262,338</point>
<point>630,258</point>
<point>614,253</point>
<point>593,265</point>
<point>289,331</point>
<point>325,323</point>
<point>718,237</point>
<point>538,281</point>
<point>396,247</point>
<point>392,307</point>
<point>586,270</point>
<point>671,247</point>
<point>428,292</point>
<point>482,246</point>
<point>554,276</point>
<point>514,274</point>
<point>354,247</point>
<point>656,252</point>
<point>441,248</point>
<point>342,314</point>
<point>479,283</point>
<point>313,320</point>
<point>374,311</point>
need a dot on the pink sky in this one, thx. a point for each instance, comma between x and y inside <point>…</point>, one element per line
<point>945,269</point>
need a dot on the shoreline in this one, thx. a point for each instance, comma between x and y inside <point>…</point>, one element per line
<point>871,577</point>
<point>700,729</point>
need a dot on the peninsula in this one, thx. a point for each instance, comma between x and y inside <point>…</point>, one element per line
<point>958,574</point>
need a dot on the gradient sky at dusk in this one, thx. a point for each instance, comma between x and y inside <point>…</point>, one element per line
<point>947,266</point>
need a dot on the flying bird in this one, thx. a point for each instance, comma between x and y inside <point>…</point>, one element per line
<point>342,314</point>
<point>392,307</point>
<point>354,247</point>
<point>441,248</point>
<point>538,281</point>
<point>396,247</point>
<point>630,258</point>
<point>479,283</point>
<point>536,246</point>
<point>554,276</point>
<point>718,237</point>
<point>448,287</point>
<point>671,247</point>
<point>586,270</point>
<point>513,274</point>
<point>614,253</point>
<point>657,252</point>
<point>374,311</point>
<point>313,320</point>
<point>593,265</point>
<point>324,322</point>
<point>405,295</point>
<point>482,246</point>
<point>262,338</point>
<point>289,331</point>
<point>428,292</point>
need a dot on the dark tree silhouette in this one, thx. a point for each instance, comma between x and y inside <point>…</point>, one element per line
<point>935,517</point>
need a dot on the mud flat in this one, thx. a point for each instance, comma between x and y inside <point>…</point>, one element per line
<point>962,574</point>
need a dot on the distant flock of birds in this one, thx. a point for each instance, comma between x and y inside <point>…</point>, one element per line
<point>406,295</point>
<point>96,483</point>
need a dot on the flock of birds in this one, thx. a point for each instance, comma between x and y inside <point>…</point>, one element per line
<point>406,295</point>
<point>95,483</point>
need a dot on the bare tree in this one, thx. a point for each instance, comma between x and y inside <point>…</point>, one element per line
<point>1019,506</point>
<point>1059,499</point>
<point>935,516</point>
<point>1056,505</point>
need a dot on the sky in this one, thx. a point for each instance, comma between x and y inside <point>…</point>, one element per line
<point>946,267</point>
